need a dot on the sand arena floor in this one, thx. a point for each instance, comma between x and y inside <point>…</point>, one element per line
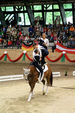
<point>60,98</point>
<point>14,94</point>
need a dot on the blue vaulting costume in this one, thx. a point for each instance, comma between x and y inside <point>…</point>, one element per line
<point>43,49</point>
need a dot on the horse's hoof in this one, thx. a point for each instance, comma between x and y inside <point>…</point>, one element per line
<point>28,100</point>
<point>32,96</point>
<point>46,94</point>
<point>43,93</point>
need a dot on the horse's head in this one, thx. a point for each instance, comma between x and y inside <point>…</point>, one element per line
<point>30,74</point>
<point>26,73</point>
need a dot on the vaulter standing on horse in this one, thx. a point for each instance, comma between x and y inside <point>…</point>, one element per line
<point>39,53</point>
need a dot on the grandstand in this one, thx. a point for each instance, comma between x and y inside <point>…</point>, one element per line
<point>55,17</point>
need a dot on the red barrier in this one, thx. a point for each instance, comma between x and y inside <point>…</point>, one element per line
<point>15,59</point>
<point>55,59</point>
<point>2,56</point>
<point>29,57</point>
<point>69,58</point>
<point>32,59</point>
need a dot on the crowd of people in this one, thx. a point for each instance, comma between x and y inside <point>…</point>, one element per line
<point>11,36</point>
<point>65,34</point>
<point>14,36</point>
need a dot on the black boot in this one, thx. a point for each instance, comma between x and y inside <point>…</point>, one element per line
<point>42,75</point>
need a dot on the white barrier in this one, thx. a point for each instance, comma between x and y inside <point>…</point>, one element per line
<point>11,77</point>
<point>20,77</point>
<point>73,73</point>
<point>56,74</point>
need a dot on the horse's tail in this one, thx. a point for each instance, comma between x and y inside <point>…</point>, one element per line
<point>51,79</point>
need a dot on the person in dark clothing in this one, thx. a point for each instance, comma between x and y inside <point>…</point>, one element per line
<point>36,61</point>
<point>31,31</point>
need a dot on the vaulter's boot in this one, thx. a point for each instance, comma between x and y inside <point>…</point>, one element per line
<point>42,75</point>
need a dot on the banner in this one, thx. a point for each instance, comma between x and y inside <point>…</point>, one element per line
<point>61,48</point>
<point>25,48</point>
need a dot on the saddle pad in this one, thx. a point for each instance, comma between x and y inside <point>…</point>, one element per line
<point>45,69</point>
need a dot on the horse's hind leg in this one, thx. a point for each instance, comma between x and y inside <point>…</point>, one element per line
<point>45,93</point>
<point>46,90</point>
<point>31,91</point>
<point>48,83</point>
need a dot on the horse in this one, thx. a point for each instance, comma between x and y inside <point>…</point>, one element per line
<point>32,78</point>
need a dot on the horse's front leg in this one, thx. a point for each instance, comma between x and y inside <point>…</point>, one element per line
<point>43,89</point>
<point>30,96</point>
<point>31,91</point>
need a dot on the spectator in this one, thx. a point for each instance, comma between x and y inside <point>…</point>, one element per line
<point>45,29</point>
<point>31,31</point>
<point>52,37</point>
<point>67,34</point>
<point>41,29</point>
<point>66,27</point>
<point>72,28</point>
<point>9,43</point>
<point>21,38</point>
<point>18,44</point>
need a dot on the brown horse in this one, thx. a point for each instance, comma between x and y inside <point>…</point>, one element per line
<point>33,78</point>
